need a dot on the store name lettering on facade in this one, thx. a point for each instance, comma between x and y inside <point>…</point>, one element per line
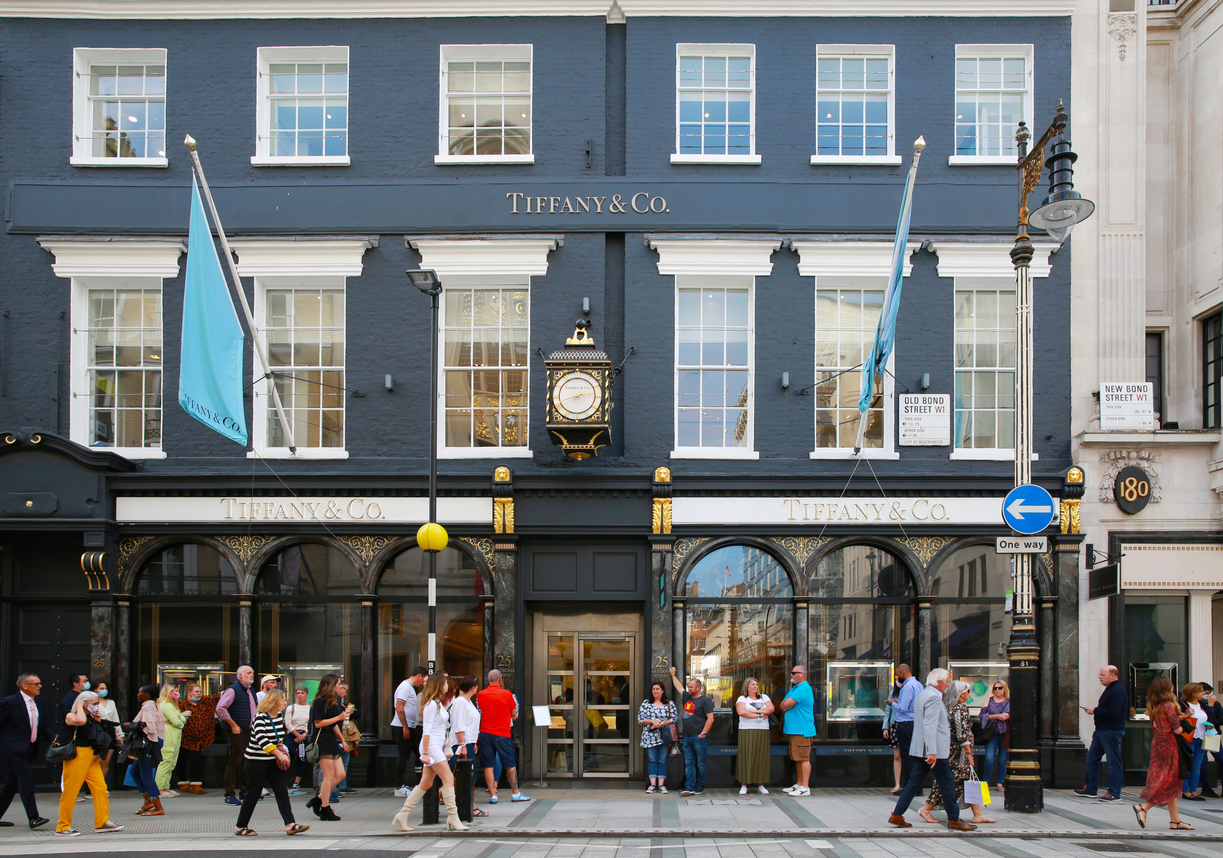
<point>355,509</point>
<point>641,202</point>
<point>915,510</point>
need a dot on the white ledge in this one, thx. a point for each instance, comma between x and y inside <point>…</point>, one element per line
<point>484,453</point>
<point>77,161</point>
<point>848,453</point>
<point>302,453</point>
<point>715,453</point>
<point>750,160</point>
<point>863,160</point>
<point>462,160</point>
<point>984,455</point>
<point>307,161</point>
<point>1160,438</point>
<point>983,161</point>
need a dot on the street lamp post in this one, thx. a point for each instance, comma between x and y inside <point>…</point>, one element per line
<point>1058,214</point>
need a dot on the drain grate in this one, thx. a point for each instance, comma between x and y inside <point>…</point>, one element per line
<point>1112,846</point>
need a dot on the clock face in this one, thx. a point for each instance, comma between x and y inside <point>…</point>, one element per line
<point>577,395</point>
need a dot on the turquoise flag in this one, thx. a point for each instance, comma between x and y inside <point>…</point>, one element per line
<point>210,372</point>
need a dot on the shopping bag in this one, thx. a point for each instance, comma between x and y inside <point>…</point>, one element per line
<point>976,792</point>
<point>1211,743</point>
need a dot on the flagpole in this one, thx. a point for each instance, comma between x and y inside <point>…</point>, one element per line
<point>877,359</point>
<point>260,347</point>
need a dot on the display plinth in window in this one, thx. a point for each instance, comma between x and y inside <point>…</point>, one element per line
<point>857,689</point>
<point>579,396</point>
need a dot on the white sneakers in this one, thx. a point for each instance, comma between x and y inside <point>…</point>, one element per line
<point>797,791</point>
<point>743,790</point>
<point>403,792</point>
<point>762,790</point>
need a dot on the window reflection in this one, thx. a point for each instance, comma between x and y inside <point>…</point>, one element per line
<point>189,569</point>
<point>974,625</point>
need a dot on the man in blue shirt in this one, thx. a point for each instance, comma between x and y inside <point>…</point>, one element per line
<point>799,725</point>
<point>902,716</point>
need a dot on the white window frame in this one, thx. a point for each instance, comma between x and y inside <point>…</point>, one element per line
<point>889,51</point>
<point>688,261</point>
<point>107,263</point>
<point>989,51</point>
<point>82,115</point>
<point>987,265</point>
<point>266,57</point>
<point>855,264</point>
<point>465,263</point>
<point>286,264</point>
<point>706,50</point>
<point>460,53</point>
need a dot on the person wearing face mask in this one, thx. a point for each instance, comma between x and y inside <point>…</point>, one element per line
<point>92,735</point>
<point>198,736</point>
<point>79,682</point>
<point>110,712</point>
<point>176,719</point>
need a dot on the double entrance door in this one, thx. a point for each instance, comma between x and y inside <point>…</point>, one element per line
<point>587,672</point>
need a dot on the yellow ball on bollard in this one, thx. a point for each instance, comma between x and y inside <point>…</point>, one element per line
<point>432,537</point>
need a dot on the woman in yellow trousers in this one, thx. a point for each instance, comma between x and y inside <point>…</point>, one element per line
<point>176,719</point>
<point>90,734</point>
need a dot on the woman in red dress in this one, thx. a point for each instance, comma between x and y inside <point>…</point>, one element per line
<point>1163,773</point>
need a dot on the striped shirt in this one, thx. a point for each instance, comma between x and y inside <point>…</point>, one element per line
<point>266,733</point>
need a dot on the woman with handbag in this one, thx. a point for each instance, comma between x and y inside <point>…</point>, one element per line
<point>657,717</point>
<point>297,726</point>
<point>465,730</point>
<point>1163,786</point>
<point>91,737</point>
<point>153,726</point>
<point>434,749</point>
<point>994,717</point>
<point>955,698</point>
<point>326,716</point>
<point>1192,711</point>
<point>266,761</point>
<point>752,762</point>
<point>110,712</point>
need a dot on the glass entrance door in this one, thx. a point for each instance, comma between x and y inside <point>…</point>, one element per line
<point>590,679</point>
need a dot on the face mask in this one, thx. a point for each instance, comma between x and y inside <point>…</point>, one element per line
<point>85,686</point>
<point>94,708</point>
<point>194,698</point>
<point>174,695</point>
<point>102,693</point>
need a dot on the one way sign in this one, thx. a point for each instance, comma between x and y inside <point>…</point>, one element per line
<point>1028,509</point>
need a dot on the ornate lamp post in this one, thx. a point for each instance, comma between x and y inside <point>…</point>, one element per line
<point>1058,214</point>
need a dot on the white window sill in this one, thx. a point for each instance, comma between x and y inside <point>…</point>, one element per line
<point>848,453</point>
<point>485,453</point>
<point>865,160</point>
<point>462,160</point>
<point>76,161</point>
<point>715,159</point>
<point>986,455</point>
<point>983,160</point>
<point>131,452</point>
<point>302,453</point>
<point>741,454</point>
<point>317,161</point>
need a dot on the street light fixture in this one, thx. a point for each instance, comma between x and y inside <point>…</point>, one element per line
<point>1058,214</point>
<point>432,536</point>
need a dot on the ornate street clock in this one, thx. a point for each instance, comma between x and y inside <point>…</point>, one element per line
<point>579,396</point>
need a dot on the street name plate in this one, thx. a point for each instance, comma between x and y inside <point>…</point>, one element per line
<point>1022,544</point>
<point>925,420</point>
<point>1127,405</point>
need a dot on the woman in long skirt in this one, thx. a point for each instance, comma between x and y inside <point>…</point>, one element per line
<point>1163,773</point>
<point>752,764</point>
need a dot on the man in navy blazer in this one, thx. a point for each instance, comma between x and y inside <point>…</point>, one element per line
<point>25,718</point>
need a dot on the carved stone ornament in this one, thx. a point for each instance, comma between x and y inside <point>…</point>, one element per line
<point>662,515</point>
<point>1111,463</point>
<point>802,547</point>
<point>682,548</point>
<point>925,547</point>
<point>127,547</point>
<point>484,547</point>
<point>1122,26</point>
<point>245,546</point>
<point>502,474</point>
<point>1071,517</point>
<point>366,546</point>
<point>662,475</point>
<point>503,515</point>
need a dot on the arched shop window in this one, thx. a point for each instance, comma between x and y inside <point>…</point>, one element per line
<point>740,624</point>
<point>308,621</point>
<point>403,620</point>
<point>184,612</point>
<point>969,626</point>
<point>861,627</point>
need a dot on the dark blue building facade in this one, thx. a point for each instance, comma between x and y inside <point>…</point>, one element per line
<point>715,196</point>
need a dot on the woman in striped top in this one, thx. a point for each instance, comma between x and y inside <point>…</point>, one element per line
<point>264,756</point>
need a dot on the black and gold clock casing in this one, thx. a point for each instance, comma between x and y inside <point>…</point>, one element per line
<point>579,398</point>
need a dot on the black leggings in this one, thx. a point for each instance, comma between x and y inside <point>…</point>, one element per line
<point>259,772</point>
<point>191,764</point>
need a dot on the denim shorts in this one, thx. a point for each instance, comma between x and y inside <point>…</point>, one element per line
<point>496,746</point>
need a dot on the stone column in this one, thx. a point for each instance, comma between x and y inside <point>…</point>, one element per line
<point>1046,714</point>
<point>123,651</point>
<point>802,637</point>
<point>506,631</point>
<point>1069,756</point>
<point>1201,640</point>
<point>658,594</point>
<point>102,641</point>
<point>246,612</point>
<point>678,629</point>
<point>367,707</point>
<point>924,644</point>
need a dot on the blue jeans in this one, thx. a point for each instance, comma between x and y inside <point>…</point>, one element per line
<point>345,757</point>
<point>146,774</point>
<point>656,761</point>
<point>1106,743</point>
<point>696,751</point>
<point>1190,784</point>
<point>942,776</point>
<point>995,751</point>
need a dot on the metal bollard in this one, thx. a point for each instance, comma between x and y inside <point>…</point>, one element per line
<point>430,802</point>
<point>464,774</point>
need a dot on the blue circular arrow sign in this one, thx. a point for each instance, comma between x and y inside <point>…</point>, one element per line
<point>1028,509</point>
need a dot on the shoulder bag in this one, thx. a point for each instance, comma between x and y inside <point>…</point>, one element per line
<point>58,753</point>
<point>284,763</point>
<point>311,753</point>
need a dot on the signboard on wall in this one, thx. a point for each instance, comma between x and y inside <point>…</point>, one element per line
<point>1104,581</point>
<point>925,420</point>
<point>1127,406</point>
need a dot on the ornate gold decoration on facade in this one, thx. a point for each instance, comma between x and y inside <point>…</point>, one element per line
<point>245,546</point>
<point>925,547</point>
<point>503,515</point>
<point>502,474</point>
<point>682,548</point>
<point>662,515</point>
<point>802,547</point>
<point>1046,563</point>
<point>1074,475</point>
<point>1071,517</point>
<point>127,547</point>
<point>484,547</point>
<point>366,546</point>
<point>662,475</point>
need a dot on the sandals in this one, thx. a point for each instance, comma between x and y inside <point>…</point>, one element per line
<point>1181,826</point>
<point>1141,814</point>
<point>296,828</point>
<point>151,812</point>
<point>245,832</point>
<point>475,811</point>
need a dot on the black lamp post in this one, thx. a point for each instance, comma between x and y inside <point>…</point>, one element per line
<point>1058,214</point>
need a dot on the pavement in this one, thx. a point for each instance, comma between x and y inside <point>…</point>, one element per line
<point>565,821</point>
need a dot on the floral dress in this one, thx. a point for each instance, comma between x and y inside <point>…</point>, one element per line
<point>961,756</point>
<point>1163,772</point>
<point>651,737</point>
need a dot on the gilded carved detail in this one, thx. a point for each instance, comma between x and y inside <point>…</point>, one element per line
<point>1071,516</point>
<point>682,548</point>
<point>502,474</point>
<point>1113,461</point>
<point>503,515</point>
<point>366,546</point>
<point>662,475</point>
<point>484,547</point>
<point>127,547</point>
<point>802,547</point>
<point>662,515</point>
<point>925,547</point>
<point>245,546</point>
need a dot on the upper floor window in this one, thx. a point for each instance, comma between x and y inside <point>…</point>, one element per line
<point>855,104</point>
<point>119,107</point>
<point>993,92</point>
<point>1212,370</point>
<point>486,104</point>
<point>302,109</point>
<point>846,318</point>
<point>715,111</point>
<point>985,352</point>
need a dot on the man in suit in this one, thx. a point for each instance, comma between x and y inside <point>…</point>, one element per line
<point>930,748</point>
<point>24,719</point>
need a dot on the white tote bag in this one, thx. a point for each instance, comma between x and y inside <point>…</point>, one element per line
<point>976,792</point>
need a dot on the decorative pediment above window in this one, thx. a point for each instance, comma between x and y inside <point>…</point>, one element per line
<point>304,257</point>
<point>850,258</point>
<point>988,258</point>
<point>743,256</point>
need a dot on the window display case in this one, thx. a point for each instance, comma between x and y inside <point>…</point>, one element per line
<point>980,676</point>
<point>293,674</point>
<point>857,690</point>
<point>1142,674</point>
<point>212,678</point>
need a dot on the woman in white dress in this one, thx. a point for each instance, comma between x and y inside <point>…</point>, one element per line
<point>435,721</point>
